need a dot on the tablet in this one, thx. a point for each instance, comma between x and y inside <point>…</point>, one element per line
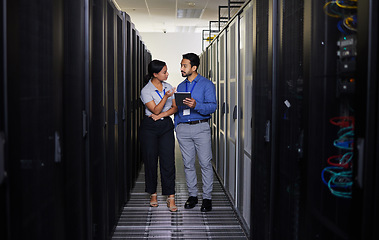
<point>180,96</point>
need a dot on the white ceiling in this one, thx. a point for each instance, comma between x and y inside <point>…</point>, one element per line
<point>161,15</point>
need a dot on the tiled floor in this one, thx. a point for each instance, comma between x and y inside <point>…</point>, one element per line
<point>140,221</point>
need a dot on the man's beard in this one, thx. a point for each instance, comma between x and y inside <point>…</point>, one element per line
<point>184,74</point>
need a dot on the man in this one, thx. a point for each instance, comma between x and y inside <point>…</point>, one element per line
<point>193,131</point>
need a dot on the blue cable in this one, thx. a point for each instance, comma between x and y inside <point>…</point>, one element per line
<point>339,26</point>
<point>346,140</point>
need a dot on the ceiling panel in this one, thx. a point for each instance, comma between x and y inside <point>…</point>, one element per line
<point>169,13</point>
<point>169,4</point>
<point>161,15</point>
<point>197,4</point>
<point>123,4</point>
<point>140,13</point>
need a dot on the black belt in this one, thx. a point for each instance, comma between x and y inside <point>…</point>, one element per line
<point>196,122</point>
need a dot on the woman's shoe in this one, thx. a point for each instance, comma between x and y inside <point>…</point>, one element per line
<point>173,207</point>
<point>153,203</point>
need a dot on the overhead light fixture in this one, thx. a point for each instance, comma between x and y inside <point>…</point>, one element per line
<point>189,13</point>
<point>185,29</point>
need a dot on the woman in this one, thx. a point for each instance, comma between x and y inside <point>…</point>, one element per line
<point>157,134</point>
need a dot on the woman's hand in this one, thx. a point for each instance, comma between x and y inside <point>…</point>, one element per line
<point>156,117</point>
<point>169,93</point>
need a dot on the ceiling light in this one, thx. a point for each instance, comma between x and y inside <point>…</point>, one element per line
<point>189,13</point>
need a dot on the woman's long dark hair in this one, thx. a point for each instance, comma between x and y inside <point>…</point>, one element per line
<point>155,66</point>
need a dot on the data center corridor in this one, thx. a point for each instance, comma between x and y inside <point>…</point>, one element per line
<point>140,221</point>
<point>295,136</point>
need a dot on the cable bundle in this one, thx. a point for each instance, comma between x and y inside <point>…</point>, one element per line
<point>346,10</point>
<point>345,139</point>
<point>340,181</point>
<point>338,175</point>
<point>343,161</point>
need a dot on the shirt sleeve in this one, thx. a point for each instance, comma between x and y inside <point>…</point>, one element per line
<point>209,105</point>
<point>146,96</point>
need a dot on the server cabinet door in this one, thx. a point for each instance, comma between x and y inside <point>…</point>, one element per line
<point>34,67</point>
<point>330,131</point>
<point>134,94</point>
<point>289,118</point>
<point>221,166</point>
<point>97,120</point>
<point>128,104</point>
<point>246,98</point>
<point>138,102</point>
<point>366,213</point>
<point>262,120</point>
<point>110,90</point>
<point>214,123</point>
<point>120,110</point>
<point>76,121</point>
<point>232,102</point>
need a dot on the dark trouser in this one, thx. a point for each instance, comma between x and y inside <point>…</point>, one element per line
<point>157,140</point>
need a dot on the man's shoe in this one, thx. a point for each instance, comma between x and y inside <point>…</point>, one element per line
<point>191,202</point>
<point>206,206</point>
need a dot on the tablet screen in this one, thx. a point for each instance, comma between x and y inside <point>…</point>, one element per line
<point>180,96</point>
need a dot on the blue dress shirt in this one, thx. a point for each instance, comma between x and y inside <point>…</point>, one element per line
<point>204,92</point>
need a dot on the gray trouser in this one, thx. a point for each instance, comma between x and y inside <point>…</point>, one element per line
<point>196,139</point>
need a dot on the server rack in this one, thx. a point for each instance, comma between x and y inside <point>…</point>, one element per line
<point>109,86</point>
<point>213,72</point>
<point>36,115</point>
<point>128,104</point>
<point>119,110</point>
<point>245,88</point>
<point>328,205</point>
<point>230,68</point>
<point>134,95</point>
<point>69,168</point>
<point>97,220</point>
<point>232,105</point>
<point>310,106</point>
<point>75,104</point>
<point>139,104</point>
<point>288,110</point>
<point>223,106</point>
<point>136,99</point>
<point>262,122</point>
<point>340,211</point>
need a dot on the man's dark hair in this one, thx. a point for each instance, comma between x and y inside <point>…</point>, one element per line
<point>194,59</point>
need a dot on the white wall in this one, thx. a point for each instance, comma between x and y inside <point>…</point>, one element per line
<point>169,47</point>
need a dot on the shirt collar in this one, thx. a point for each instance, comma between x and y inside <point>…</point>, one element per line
<point>164,84</point>
<point>197,78</point>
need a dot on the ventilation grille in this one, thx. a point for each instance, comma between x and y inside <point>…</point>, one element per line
<point>189,13</point>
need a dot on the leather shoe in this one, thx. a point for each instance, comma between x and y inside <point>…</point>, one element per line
<point>206,206</point>
<point>191,202</point>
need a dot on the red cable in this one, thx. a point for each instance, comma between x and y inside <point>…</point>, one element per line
<point>343,121</point>
<point>344,165</point>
